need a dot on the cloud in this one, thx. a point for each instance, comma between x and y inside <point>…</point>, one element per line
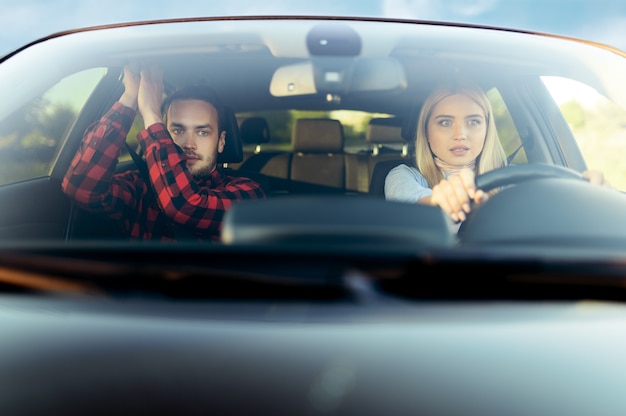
<point>602,21</point>
<point>444,10</point>
<point>610,31</point>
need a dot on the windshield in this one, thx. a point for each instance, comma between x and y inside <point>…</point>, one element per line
<point>320,129</point>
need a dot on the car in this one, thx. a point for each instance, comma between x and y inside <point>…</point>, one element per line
<point>324,297</point>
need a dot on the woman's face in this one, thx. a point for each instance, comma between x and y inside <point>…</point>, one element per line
<point>456,130</point>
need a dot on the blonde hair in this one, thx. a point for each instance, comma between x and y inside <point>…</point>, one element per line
<point>491,157</point>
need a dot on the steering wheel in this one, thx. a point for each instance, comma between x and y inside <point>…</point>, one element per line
<point>542,204</point>
<point>515,174</point>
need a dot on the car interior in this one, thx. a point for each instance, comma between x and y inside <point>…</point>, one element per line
<point>314,158</point>
<point>343,126</point>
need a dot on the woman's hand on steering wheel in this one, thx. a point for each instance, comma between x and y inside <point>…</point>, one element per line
<point>596,177</point>
<point>456,194</point>
<point>459,193</point>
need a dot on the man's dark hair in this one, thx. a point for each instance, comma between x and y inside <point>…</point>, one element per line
<point>197,92</point>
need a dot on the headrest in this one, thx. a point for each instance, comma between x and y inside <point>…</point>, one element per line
<point>233,149</point>
<point>254,130</point>
<point>317,135</point>
<point>384,130</point>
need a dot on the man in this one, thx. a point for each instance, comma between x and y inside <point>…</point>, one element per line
<point>187,193</point>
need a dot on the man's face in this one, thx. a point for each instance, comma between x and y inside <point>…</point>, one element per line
<point>193,125</point>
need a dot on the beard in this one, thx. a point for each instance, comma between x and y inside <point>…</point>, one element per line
<point>202,168</point>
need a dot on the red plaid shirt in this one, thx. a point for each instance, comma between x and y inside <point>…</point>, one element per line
<point>181,202</point>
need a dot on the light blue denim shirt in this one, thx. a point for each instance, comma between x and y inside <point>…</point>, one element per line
<point>406,184</point>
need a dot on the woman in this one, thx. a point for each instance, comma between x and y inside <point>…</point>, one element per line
<point>456,140</point>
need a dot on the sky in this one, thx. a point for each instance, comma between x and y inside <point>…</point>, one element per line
<point>604,21</point>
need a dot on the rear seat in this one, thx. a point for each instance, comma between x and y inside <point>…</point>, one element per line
<point>385,132</point>
<point>317,159</point>
<point>273,165</point>
<point>254,133</point>
<point>314,164</point>
<point>384,136</point>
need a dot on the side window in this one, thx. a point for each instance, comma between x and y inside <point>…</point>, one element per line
<point>598,124</point>
<point>507,132</point>
<point>31,135</point>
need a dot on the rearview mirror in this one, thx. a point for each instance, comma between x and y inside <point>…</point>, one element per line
<point>338,75</point>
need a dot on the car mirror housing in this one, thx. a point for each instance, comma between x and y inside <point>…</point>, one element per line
<point>338,75</point>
